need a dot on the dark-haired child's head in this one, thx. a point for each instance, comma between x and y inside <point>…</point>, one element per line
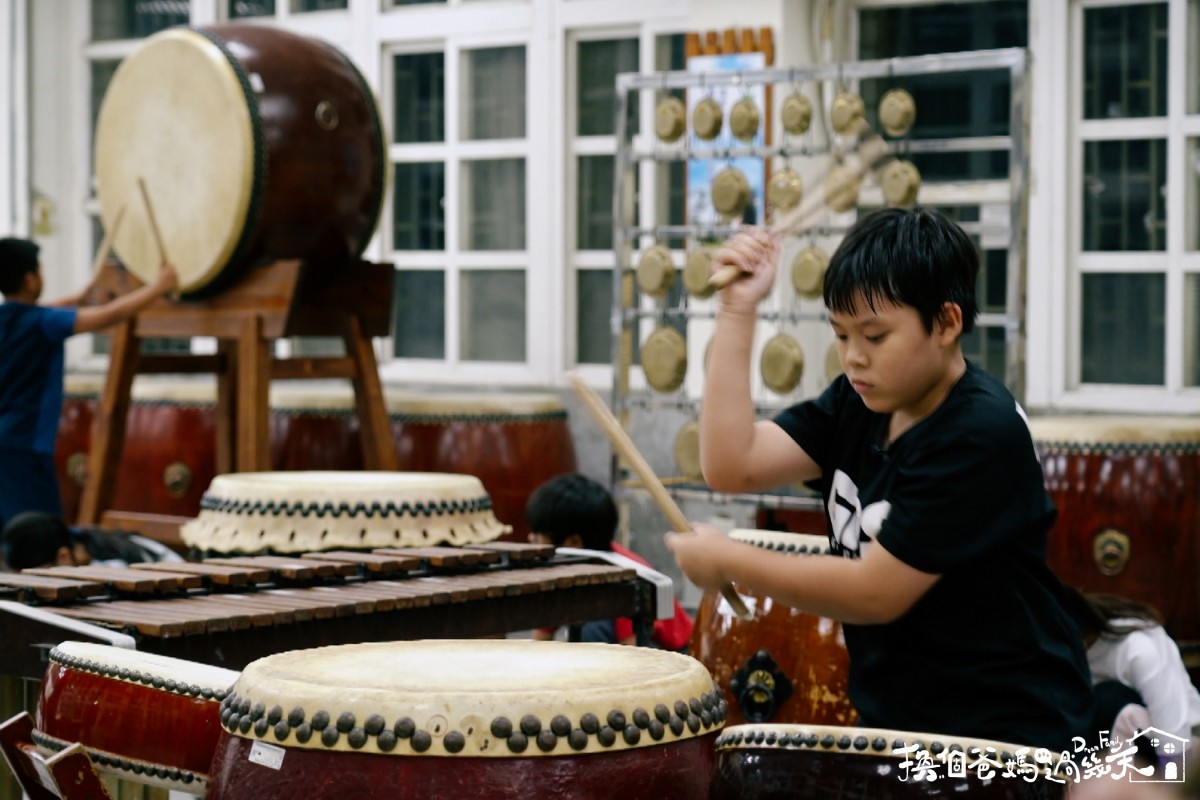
<point>911,257</point>
<point>573,511</point>
<point>18,258</point>
<point>36,539</point>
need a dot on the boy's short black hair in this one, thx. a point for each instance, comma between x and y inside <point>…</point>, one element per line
<point>915,257</point>
<point>33,538</point>
<point>573,504</point>
<point>17,257</point>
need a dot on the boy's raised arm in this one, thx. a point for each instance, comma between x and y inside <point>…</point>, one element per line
<point>122,308</point>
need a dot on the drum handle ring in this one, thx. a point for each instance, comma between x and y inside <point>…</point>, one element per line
<point>760,688</point>
<point>326,114</point>
<point>1111,550</point>
<point>77,468</point>
<point>177,478</point>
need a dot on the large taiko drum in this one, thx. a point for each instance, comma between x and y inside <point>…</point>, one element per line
<point>781,665</point>
<point>511,442</point>
<point>1128,496</point>
<point>140,716</point>
<point>254,144</point>
<point>783,762</point>
<point>467,720</point>
<point>298,512</point>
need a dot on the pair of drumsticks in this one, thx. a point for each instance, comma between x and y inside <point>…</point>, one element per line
<point>869,152</point>
<point>110,235</point>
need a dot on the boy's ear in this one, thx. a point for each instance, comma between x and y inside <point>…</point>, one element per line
<point>573,540</point>
<point>949,322</point>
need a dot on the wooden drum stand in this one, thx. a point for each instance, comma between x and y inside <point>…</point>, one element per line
<point>271,301</point>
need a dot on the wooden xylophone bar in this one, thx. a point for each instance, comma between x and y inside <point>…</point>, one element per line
<point>230,611</point>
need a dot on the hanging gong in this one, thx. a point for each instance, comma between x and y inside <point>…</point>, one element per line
<point>655,271</point>
<point>697,271</point>
<point>841,188</point>
<point>796,114</point>
<point>744,119</point>
<point>687,451</point>
<point>664,359</point>
<point>730,192</point>
<point>785,189</point>
<point>781,363</point>
<point>900,181</point>
<point>670,119</point>
<point>707,117</point>
<point>808,272</point>
<point>897,112</point>
<point>847,113</point>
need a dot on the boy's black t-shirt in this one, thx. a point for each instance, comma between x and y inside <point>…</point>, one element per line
<point>989,651</point>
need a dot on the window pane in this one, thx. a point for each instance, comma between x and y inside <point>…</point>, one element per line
<point>495,209</point>
<point>672,200</point>
<point>599,64</point>
<point>1193,57</point>
<point>301,6</point>
<point>1123,186</point>
<point>594,302</point>
<point>1125,61</point>
<point>594,213</point>
<point>419,215</point>
<point>1123,329</point>
<point>1191,338</point>
<point>251,8</point>
<point>492,315</point>
<point>917,30</point>
<point>420,95</point>
<point>985,347</point>
<point>132,19</point>
<point>102,73</point>
<point>496,94</point>
<point>1191,204</point>
<point>419,303</point>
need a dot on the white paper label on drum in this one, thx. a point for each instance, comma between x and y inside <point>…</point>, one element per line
<point>266,754</point>
<point>256,82</point>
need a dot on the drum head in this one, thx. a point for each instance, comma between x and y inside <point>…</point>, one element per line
<point>176,115</point>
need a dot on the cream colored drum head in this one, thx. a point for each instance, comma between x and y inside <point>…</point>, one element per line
<point>842,185</point>
<point>707,117</point>
<point>687,451</point>
<point>409,405</point>
<point>785,189</point>
<point>175,114</point>
<point>298,512</point>
<point>897,112</point>
<point>847,114</point>
<point>781,363</point>
<point>782,541</point>
<point>900,182</point>
<point>655,271</point>
<point>485,698</point>
<point>730,192</point>
<point>744,119</point>
<point>697,271</point>
<point>796,115</point>
<point>670,119</point>
<point>1114,432</point>
<point>833,363</point>
<point>808,272</point>
<point>664,359</point>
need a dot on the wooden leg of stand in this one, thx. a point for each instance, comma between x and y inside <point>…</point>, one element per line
<point>253,382</point>
<point>226,408</point>
<point>28,768</point>
<point>379,450</point>
<point>108,425</point>
<point>75,775</point>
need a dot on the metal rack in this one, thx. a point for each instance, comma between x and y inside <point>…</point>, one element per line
<point>628,314</point>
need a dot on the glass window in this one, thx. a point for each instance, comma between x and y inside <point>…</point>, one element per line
<point>599,64</point>
<point>1191,190</point>
<point>1191,339</point>
<point>419,213</point>
<point>1124,328</point>
<point>1123,202</point>
<point>1125,61</point>
<point>102,73</point>
<point>419,303</point>
<point>1193,57</point>
<point>495,205</point>
<point>419,81</point>
<point>948,105</point>
<point>251,8</point>
<point>303,6</point>
<point>492,315</point>
<point>134,19</point>
<point>595,215</point>
<point>495,99</point>
<point>594,303</point>
<point>985,347</point>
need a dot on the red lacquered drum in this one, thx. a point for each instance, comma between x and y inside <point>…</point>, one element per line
<point>140,716</point>
<point>782,665</point>
<point>1128,497</point>
<point>314,427</point>
<point>512,442</point>
<point>784,762</point>
<point>469,719</point>
<point>254,144</point>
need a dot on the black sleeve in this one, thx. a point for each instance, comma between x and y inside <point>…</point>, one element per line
<point>813,423</point>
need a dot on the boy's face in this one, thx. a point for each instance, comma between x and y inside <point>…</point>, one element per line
<point>893,363</point>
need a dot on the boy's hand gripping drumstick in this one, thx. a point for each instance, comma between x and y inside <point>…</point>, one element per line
<point>868,154</point>
<point>626,450</point>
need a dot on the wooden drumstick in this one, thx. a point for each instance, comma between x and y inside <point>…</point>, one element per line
<point>106,243</point>
<point>158,239</point>
<point>626,450</point>
<point>868,153</point>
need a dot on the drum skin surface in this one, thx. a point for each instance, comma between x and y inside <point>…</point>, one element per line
<point>254,144</point>
<point>796,761</point>
<point>1128,497</point>
<point>809,650</point>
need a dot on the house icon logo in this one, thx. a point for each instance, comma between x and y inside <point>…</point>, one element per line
<point>1171,762</point>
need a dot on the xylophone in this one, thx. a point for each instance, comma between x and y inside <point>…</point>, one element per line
<point>228,612</point>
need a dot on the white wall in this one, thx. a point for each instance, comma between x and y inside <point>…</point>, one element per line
<point>14,179</point>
